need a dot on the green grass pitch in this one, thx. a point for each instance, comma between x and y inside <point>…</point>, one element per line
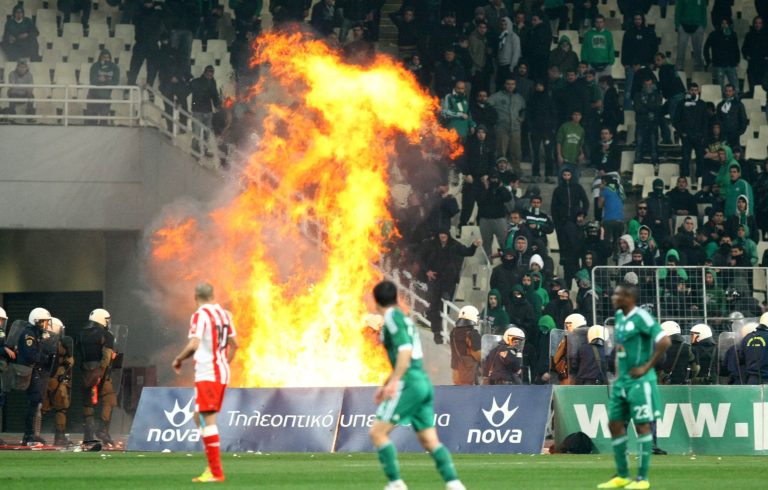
<point>152,471</point>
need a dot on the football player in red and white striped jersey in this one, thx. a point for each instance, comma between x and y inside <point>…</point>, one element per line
<point>212,342</point>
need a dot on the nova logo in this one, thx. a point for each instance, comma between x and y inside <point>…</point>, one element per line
<point>178,417</point>
<point>490,415</point>
<point>186,412</point>
<point>496,436</point>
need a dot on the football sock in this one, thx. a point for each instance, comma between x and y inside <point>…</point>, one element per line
<point>212,450</point>
<point>444,463</point>
<point>645,445</point>
<point>620,455</point>
<point>388,459</point>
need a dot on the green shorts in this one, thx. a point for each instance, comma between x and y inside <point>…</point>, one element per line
<point>638,401</point>
<point>412,404</point>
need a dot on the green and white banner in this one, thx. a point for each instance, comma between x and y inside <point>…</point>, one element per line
<point>719,420</point>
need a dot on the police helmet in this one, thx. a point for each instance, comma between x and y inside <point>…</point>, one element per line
<point>596,332</point>
<point>701,331</point>
<point>56,326</point>
<point>763,319</point>
<point>748,329</point>
<point>39,315</point>
<point>3,314</point>
<point>736,315</point>
<point>512,334</point>
<point>100,316</point>
<point>574,321</point>
<point>469,313</point>
<point>670,327</point>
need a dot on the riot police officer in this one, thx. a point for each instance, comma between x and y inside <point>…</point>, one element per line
<point>34,355</point>
<point>465,347</point>
<point>705,350</point>
<point>589,365</point>
<point>505,361</point>
<point>98,349</point>
<point>755,349</point>
<point>679,365</point>
<point>7,355</point>
<point>60,384</point>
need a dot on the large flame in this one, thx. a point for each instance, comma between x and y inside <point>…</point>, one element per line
<point>298,302</point>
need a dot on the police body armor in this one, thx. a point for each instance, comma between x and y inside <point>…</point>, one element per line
<point>706,357</point>
<point>93,339</point>
<point>504,365</point>
<point>675,367</point>
<point>19,375</point>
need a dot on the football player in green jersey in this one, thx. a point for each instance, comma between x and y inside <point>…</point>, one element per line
<point>640,344</point>
<point>406,396</point>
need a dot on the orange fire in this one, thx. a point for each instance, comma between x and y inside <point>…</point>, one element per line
<point>299,302</point>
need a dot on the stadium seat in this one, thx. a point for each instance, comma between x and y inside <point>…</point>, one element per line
<point>763,132</point>
<point>200,62</point>
<point>217,47</point>
<point>72,31</point>
<point>702,78</point>
<point>627,160</point>
<point>617,71</point>
<point>647,186</point>
<point>668,171</point>
<point>51,55</point>
<point>99,31</point>
<point>759,94</point>
<point>45,15</point>
<point>756,149</point>
<point>88,46</point>
<point>751,105</point>
<point>116,46</point>
<point>552,243</point>
<point>85,73</point>
<point>641,171</point>
<point>48,31</point>
<point>679,222</point>
<point>711,93</point>
<point>64,74</point>
<point>125,32</point>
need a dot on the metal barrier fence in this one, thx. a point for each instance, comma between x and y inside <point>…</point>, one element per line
<point>687,295</point>
<point>72,104</point>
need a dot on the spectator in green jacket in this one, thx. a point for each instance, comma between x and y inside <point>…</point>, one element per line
<point>738,187</point>
<point>690,24</point>
<point>598,49</point>
<point>455,111</point>
<point>570,141</point>
<point>495,313</point>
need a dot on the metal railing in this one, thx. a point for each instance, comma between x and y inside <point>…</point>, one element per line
<point>71,104</point>
<point>684,293</point>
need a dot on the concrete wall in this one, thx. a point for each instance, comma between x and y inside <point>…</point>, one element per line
<point>92,178</point>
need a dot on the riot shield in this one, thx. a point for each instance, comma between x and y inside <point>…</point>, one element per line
<point>725,343</point>
<point>487,343</point>
<point>556,336</point>
<point>50,347</point>
<point>121,343</point>
<point>576,338</point>
<point>610,332</point>
<point>741,328</point>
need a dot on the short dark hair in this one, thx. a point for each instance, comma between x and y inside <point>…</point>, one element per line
<point>629,289</point>
<point>385,293</point>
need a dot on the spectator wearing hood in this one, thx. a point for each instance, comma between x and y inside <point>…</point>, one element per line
<point>560,306</point>
<point>18,78</point>
<point>510,107</point>
<point>647,115</point>
<point>522,312</point>
<point>563,56</point>
<point>714,295</point>
<point>455,111</point>
<point>647,245</point>
<point>537,264</point>
<point>749,246</point>
<point>737,187</point>
<point>691,121</point>
<point>477,161</point>
<point>722,50</point>
<point>681,200</point>
<point>660,211</point>
<point>495,313</point>
<point>597,48</point>
<point>568,200</point>
<point>732,117</point>
<point>612,114</point>
<point>626,246</point>
<point>691,252</point>
<point>638,47</point>
<point>742,217</point>
<point>103,73</point>
<point>536,46</point>
<point>540,371</point>
<point>690,23</point>
<point>755,51</point>
<point>542,119</point>
<point>522,255</point>
<point>174,82</point>
<point>506,275</point>
<point>491,210</point>
<point>533,292</point>
<point>671,277</point>
<point>441,258</point>
<point>595,242</point>
<point>508,51</point>
<point>20,37</point>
